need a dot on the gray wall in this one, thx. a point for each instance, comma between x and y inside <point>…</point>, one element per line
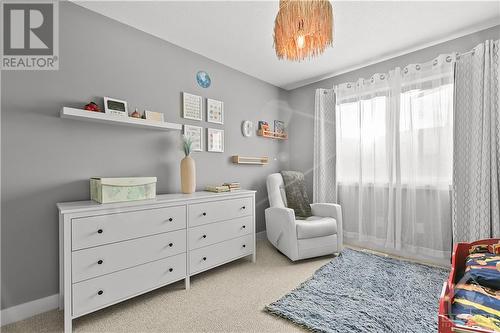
<point>301,100</point>
<point>46,159</point>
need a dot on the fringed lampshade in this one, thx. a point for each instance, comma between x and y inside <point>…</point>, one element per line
<point>303,29</point>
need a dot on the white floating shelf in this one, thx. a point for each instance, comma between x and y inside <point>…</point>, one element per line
<point>100,117</point>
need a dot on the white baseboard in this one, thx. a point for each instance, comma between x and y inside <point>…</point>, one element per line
<point>29,309</point>
<point>260,235</point>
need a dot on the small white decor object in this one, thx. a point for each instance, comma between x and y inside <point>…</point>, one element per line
<point>215,111</point>
<point>215,140</point>
<point>106,190</point>
<point>115,107</point>
<point>154,116</point>
<point>247,128</point>
<point>195,133</point>
<point>192,106</point>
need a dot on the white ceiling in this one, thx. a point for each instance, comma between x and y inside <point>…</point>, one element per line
<point>239,33</point>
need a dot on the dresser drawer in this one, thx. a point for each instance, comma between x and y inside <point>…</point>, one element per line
<point>219,211</point>
<point>220,231</point>
<point>104,229</point>
<point>100,260</point>
<point>213,255</point>
<point>104,290</point>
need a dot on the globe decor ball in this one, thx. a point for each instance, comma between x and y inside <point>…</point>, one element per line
<point>203,79</point>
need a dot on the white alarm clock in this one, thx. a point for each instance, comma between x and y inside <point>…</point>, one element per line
<point>247,128</point>
<point>115,107</point>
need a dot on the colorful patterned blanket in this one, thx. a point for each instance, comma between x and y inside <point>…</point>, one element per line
<point>476,301</point>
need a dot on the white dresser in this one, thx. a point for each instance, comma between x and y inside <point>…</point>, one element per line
<point>112,252</point>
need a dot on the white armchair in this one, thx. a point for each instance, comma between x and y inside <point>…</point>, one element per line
<point>318,235</point>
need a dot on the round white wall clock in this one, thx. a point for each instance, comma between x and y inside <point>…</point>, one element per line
<point>247,128</point>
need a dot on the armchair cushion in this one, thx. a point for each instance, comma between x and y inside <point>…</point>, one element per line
<point>316,226</point>
<point>296,194</point>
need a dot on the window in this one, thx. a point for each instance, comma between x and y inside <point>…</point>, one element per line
<point>426,135</point>
<point>371,151</point>
<point>361,140</point>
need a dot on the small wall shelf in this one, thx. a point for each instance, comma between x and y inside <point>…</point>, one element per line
<point>100,117</point>
<point>237,159</point>
<point>272,135</point>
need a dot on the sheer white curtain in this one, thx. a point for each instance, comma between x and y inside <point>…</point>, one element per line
<point>394,159</point>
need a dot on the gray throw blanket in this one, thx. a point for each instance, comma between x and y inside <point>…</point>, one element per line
<point>296,195</point>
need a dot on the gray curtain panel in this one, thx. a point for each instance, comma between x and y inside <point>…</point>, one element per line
<point>324,173</point>
<point>476,155</point>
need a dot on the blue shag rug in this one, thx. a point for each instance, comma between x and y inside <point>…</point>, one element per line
<point>363,292</point>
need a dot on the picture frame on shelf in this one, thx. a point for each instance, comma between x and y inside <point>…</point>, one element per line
<point>192,106</point>
<point>115,107</point>
<point>263,125</point>
<point>154,116</point>
<point>215,111</point>
<point>195,133</point>
<point>279,127</point>
<point>215,140</point>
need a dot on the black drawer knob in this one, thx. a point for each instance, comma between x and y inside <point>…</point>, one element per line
<point>244,245</point>
<point>171,244</point>
<point>204,236</point>
<point>170,219</point>
<point>170,269</point>
<point>204,214</point>
<point>244,226</point>
<point>244,207</point>
<point>100,292</point>
<point>204,258</point>
<point>100,262</point>
<point>99,231</point>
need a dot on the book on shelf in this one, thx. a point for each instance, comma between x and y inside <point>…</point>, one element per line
<point>217,189</point>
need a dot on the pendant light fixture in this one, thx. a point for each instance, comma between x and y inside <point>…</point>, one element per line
<point>303,29</point>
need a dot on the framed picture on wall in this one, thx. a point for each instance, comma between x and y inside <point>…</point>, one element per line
<point>215,111</point>
<point>195,133</point>
<point>192,106</point>
<point>215,140</point>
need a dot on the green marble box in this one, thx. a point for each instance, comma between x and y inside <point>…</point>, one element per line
<point>106,190</point>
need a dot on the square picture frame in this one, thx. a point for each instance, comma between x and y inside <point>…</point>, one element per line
<point>215,140</point>
<point>192,106</point>
<point>196,135</point>
<point>215,111</point>
<point>115,107</point>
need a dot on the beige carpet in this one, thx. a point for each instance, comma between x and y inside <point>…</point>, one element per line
<point>230,298</point>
